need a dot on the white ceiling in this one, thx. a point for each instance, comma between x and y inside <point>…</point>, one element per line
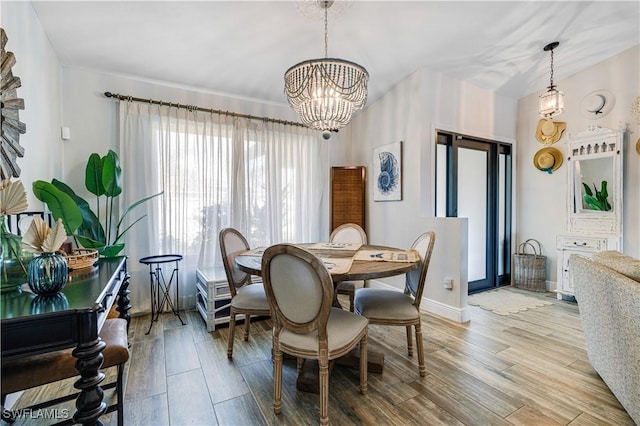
<point>243,48</point>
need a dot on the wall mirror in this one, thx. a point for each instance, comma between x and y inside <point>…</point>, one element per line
<point>593,185</point>
<point>595,181</point>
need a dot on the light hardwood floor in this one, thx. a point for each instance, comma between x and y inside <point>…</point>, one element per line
<point>529,368</point>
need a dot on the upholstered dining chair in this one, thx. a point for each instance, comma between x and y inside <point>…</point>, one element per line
<point>349,233</point>
<point>389,307</point>
<point>246,297</point>
<point>300,293</point>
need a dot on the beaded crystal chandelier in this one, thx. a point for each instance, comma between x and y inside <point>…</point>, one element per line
<point>551,101</point>
<point>326,92</point>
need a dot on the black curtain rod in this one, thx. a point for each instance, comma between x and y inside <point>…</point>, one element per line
<point>197,108</point>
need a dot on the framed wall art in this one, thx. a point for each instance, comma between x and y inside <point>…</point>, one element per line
<point>387,172</point>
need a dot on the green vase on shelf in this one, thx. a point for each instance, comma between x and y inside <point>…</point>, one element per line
<point>14,259</point>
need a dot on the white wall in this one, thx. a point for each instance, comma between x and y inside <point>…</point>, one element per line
<point>39,70</point>
<point>410,112</point>
<point>542,205</point>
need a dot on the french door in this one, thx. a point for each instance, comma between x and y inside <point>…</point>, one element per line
<point>473,180</point>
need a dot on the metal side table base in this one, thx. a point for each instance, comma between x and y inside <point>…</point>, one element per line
<point>160,288</point>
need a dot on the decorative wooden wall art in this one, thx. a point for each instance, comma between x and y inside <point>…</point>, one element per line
<point>348,186</point>
<point>12,128</point>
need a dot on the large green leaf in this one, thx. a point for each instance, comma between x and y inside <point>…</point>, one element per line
<point>603,189</point>
<point>587,190</point>
<point>111,174</point>
<point>112,250</point>
<point>90,226</point>
<point>93,175</point>
<point>90,243</point>
<point>592,202</point>
<point>62,206</point>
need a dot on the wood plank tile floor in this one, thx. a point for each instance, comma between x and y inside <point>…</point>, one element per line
<point>528,368</point>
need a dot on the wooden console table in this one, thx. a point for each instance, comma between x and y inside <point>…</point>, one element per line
<point>34,325</point>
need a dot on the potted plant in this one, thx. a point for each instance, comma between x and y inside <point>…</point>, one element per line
<point>102,179</point>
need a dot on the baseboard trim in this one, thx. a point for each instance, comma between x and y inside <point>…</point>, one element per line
<point>446,311</point>
<point>451,313</point>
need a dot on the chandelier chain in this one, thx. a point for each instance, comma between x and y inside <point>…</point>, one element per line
<point>326,31</point>
<point>551,72</point>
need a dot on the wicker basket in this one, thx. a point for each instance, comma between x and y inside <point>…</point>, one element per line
<point>81,258</point>
<point>529,269</point>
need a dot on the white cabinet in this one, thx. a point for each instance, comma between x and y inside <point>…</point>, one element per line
<point>213,296</point>
<point>594,204</point>
<point>578,244</point>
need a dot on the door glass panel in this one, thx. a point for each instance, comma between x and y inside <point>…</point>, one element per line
<point>441,180</point>
<point>502,202</point>
<point>472,204</point>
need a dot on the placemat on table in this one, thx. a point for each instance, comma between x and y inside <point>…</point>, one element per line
<point>408,256</point>
<point>335,246</point>
<point>340,265</point>
<point>256,252</point>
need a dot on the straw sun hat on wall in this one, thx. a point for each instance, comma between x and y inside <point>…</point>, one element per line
<point>549,131</point>
<point>547,159</point>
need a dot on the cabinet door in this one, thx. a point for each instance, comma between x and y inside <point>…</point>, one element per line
<point>565,281</point>
<point>347,195</point>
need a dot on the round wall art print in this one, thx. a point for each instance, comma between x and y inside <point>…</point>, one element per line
<point>387,171</point>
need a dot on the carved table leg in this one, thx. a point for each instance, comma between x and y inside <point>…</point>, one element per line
<point>89,403</point>
<point>124,303</point>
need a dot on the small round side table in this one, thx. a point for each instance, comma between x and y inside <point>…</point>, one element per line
<point>160,288</point>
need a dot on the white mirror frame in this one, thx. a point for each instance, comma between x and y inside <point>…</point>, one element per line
<point>595,143</point>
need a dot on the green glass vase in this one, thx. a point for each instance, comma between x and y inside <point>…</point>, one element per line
<point>14,259</point>
<point>47,274</point>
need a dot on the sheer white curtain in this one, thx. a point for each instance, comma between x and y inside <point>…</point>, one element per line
<point>267,180</point>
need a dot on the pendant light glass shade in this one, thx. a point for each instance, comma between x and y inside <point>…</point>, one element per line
<point>326,92</point>
<point>551,101</point>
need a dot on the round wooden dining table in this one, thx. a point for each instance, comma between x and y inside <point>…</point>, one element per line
<point>359,270</point>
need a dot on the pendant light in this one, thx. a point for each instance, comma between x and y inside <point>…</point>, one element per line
<point>551,101</point>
